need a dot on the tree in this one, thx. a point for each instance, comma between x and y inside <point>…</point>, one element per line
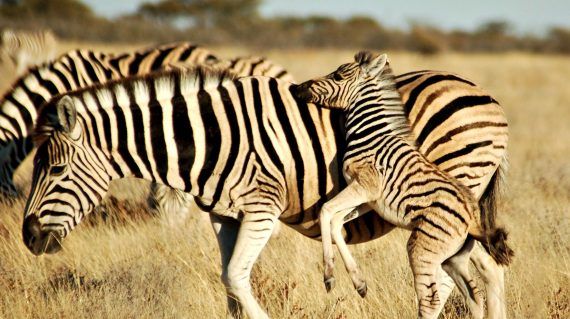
<point>203,13</point>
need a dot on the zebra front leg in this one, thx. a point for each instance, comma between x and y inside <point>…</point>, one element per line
<point>493,276</point>
<point>226,230</point>
<point>337,208</point>
<point>254,232</point>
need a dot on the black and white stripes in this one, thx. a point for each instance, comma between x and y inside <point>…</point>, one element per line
<point>72,71</point>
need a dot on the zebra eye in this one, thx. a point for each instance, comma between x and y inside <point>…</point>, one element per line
<point>56,170</point>
<point>337,76</point>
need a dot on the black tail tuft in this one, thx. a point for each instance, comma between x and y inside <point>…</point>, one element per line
<point>496,245</point>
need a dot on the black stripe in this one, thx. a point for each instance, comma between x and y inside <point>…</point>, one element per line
<point>448,136</point>
<point>157,133</point>
<point>401,79</point>
<point>281,112</point>
<point>449,210</point>
<point>265,139</point>
<point>122,138</point>
<point>425,233</point>
<point>89,67</point>
<point>430,81</point>
<point>73,70</point>
<point>232,121</point>
<point>450,109</point>
<point>183,135</point>
<point>463,151</point>
<point>213,139</point>
<point>186,53</point>
<point>159,60</point>
<point>138,130</point>
<point>135,63</point>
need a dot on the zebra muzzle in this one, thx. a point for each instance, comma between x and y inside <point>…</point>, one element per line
<point>302,91</point>
<point>37,240</point>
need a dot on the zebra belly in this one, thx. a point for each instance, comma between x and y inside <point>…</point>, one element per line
<point>388,214</point>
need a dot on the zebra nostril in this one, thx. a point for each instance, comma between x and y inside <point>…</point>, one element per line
<point>31,229</point>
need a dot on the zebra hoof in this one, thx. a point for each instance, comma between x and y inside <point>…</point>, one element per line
<point>362,290</point>
<point>329,283</point>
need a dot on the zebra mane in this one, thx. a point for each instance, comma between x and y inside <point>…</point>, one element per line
<point>386,81</point>
<point>189,80</point>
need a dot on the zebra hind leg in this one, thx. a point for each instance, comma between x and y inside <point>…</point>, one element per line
<point>226,230</point>
<point>457,267</point>
<point>425,264</point>
<point>493,276</point>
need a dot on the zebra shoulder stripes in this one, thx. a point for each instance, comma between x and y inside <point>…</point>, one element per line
<point>71,71</point>
<point>385,170</point>
<point>174,205</point>
<point>27,49</point>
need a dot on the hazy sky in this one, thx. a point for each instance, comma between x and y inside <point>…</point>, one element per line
<point>525,15</point>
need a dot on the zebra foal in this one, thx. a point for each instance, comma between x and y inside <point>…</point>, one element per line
<point>385,171</point>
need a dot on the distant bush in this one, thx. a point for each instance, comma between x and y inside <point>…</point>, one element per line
<point>238,22</point>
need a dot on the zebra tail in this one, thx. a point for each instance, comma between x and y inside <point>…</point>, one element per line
<point>495,243</point>
<point>495,238</point>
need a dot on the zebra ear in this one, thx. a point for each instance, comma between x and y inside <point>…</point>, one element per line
<point>66,114</point>
<point>375,66</point>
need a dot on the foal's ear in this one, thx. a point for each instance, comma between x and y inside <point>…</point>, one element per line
<point>371,64</point>
<point>66,114</point>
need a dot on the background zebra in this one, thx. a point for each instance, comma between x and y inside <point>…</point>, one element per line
<point>27,49</point>
<point>385,171</point>
<point>71,71</point>
<point>260,156</point>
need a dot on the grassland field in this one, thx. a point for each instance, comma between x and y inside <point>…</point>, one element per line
<point>132,265</point>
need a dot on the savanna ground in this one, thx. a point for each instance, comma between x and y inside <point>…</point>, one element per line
<point>136,267</point>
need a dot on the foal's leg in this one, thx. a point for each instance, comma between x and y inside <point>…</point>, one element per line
<point>340,205</point>
<point>425,262</point>
<point>349,262</point>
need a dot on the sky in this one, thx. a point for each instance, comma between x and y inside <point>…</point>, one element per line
<point>526,16</point>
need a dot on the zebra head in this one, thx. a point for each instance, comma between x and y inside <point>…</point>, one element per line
<point>342,87</point>
<point>68,179</point>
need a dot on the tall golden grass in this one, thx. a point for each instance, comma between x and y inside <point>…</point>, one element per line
<point>138,267</point>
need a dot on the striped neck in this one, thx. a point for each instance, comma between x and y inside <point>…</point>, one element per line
<point>378,106</point>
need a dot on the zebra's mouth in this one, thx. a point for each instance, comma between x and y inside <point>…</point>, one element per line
<point>303,92</point>
<point>39,241</point>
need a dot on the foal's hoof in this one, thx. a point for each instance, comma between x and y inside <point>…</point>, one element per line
<point>329,283</point>
<point>362,290</point>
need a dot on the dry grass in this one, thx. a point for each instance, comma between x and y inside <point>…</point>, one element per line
<point>137,267</point>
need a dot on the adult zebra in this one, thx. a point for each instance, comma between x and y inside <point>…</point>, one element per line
<point>71,71</point>
<point>261,156</point>
<point>385,171</point>
<point>26,49</point>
